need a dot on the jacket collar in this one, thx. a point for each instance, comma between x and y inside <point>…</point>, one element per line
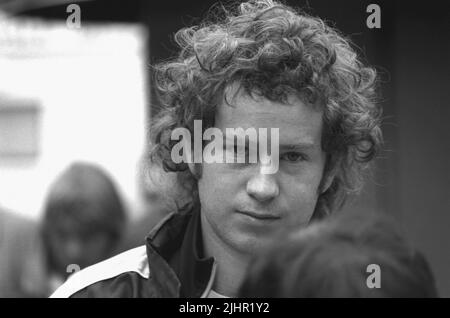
<point>175,256</point>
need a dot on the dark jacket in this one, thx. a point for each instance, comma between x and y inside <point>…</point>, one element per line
<point>169,265</point>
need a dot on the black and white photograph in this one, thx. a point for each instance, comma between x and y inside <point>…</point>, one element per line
<point>237,150</point>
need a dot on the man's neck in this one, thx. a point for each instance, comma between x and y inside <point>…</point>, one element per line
<point>231,265</point>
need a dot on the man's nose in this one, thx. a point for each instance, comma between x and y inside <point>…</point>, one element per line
<point>263,187</point>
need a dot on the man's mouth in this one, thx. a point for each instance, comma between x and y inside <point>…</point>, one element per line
<point>260,216</point>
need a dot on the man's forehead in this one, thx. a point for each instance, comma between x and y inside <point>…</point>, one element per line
<point>295,119</point>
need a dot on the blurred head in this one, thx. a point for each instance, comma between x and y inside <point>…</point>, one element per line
<point>265,65</point>
<point>331,258</point>
<point>83,218</point>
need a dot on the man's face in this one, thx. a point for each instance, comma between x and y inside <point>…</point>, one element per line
<point>240,205</point>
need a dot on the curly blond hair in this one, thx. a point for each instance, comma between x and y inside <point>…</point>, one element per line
<point>272,50</point>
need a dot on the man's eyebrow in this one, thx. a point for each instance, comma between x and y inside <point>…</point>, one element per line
<point>298,146</point>
<point>227,138</point>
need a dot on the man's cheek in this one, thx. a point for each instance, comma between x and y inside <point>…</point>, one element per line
<point>302,196</point>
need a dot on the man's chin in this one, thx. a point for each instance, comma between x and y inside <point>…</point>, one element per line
<point>251,244</point>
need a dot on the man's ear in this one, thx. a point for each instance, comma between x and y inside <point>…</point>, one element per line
<point>195,169</point>
<point>192,168</point>
<point>326,182</point>
<point>330,172</point>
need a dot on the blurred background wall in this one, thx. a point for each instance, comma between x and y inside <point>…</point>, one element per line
<point>411,51</point>
<point>68,95</point>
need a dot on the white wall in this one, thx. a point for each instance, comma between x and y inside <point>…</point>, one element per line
<point>89,84</point>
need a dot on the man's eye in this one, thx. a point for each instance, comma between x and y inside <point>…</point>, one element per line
<point>293,156</point>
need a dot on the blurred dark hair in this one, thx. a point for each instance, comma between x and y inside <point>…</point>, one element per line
<point>330,259</point>
<point>85,195</point>
<point>270,49</point>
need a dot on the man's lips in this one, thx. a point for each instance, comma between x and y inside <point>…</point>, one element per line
<point>259,216</point>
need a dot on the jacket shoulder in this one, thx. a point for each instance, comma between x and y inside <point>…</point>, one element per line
<point>118,276</point>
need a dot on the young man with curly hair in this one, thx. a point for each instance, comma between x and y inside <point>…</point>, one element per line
<point>264,65</point>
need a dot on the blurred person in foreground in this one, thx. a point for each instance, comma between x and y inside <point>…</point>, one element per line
<point>336,258</point>
<point>84,219</point>
<point>258,65</point>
